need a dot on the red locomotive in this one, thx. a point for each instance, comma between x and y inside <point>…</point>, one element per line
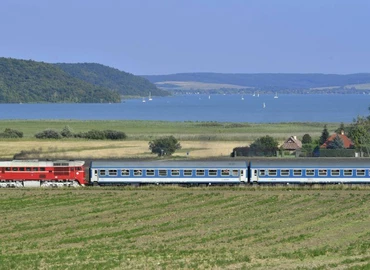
<point>34,173</point>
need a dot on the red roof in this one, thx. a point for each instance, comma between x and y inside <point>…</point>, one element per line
<point>347,143</point>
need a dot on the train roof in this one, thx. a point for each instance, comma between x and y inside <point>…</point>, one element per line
<point>39,163</point>
<point>312,162</point>
<point>168,163</point>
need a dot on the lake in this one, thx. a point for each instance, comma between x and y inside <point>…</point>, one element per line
<point>221,108</point>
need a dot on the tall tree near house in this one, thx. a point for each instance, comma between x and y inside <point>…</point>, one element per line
<point>264,146</point>
<point>359,133</point>
<point>337,143</point>
<point>324,135</point>
<point>306,139</point>
<point>341,129</point>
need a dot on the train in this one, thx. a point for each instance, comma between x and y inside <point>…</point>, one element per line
<point>71,173</point>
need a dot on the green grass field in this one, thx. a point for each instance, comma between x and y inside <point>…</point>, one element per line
<point>146,130</point>
<point>185,228</point>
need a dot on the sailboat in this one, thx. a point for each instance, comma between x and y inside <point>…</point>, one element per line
<point>254,94</point>
<point>144,100</point>
<point>264,105</point>
<point>276,96</point>
<point>150,96</point>
<point>242,97</point>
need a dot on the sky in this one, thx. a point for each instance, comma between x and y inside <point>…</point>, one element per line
<point>153,37</point>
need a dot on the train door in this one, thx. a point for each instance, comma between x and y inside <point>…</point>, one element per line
<point>94,176</point>
<point>243,175</point>
<point>253,176</point>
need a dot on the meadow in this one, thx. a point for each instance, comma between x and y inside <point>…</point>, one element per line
<point>186,228</point>
<point>198,139</point>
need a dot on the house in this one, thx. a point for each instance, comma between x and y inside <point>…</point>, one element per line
<point>347,143</point>
<point>292,144</point>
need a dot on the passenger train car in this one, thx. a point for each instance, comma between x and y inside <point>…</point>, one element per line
<point>309,171</point>
<point>34,173</point>
<point>169,172</point>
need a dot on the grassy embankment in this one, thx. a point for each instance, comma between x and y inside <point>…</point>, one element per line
<point>200,139</point>
<point>178,228</point>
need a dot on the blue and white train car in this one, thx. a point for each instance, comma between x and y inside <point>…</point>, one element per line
<point>168,172</point>
<point>310,171</point>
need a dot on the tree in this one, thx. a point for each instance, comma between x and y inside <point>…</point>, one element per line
<point>306,139</point>
<point>324,135</point>
<point>337,143</point>
<point>165,146</point>
<point>341,129</point>
<point>359,133</point>
<point>264,146</point>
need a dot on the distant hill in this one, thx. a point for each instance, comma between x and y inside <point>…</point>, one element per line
<point>124,83</point>
<point>268,82</point>
<point>26,81</point>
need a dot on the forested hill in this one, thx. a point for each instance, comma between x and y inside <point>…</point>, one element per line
<point>124,83</point>
<point>26,81</point>
<point>266,81</point>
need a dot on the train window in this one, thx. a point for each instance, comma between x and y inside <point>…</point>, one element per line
<point>297,172</point>
<point>162,172</point>
<point>7,168</point>
<point>272,172</point>
<point>360,172</point>
<point>95,172</point>
<point>241,172</point>
<point>334,172</point>
<point>149,172</point>
<point>21,169</point>
<point>188,172</point>
<point>262,172</point>
<point>323,172</point>
<point>42,169</point>
<point>79,169</point>
<point>138,172</point>
<point>199,172</point>
<point>212,172</point>
<point>102,172</point>
<point>175,172</point>
<point>125,172</point>
<point>35,169</point>
<point>225,172</point>
<point>347,172</point>
<point>310,172</point>
<point>73,169</point>
<point>112,172</point>
<point>14,169</point>
<point>235,173</point>
<point>284,172</point>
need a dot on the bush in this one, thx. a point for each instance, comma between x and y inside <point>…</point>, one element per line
<point>102,135</point>
<point>243,151</point>
<point>11,133</point>
<point>48,134</point>
<point>66,132</point>
<point>114,135</point>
